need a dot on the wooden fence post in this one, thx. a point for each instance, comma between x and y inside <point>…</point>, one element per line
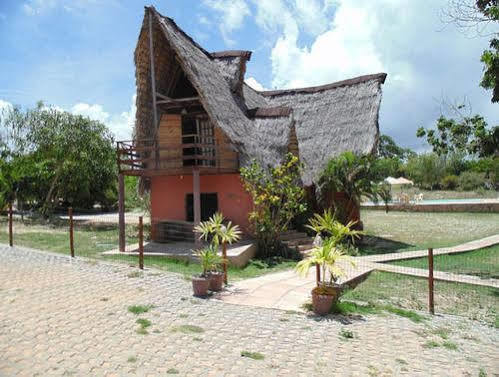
<point>121,211</point>
<point>317,273</point>
<point>224,263</point>
<point>141,243</point>
<point>71,239</point>
<point>11,236</point>
<point>430,281</point>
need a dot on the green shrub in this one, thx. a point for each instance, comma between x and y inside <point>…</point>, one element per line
<point>278,198</point>
<point>470,180</point>
<point>450,182</point>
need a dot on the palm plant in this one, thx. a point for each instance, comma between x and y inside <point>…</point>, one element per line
<point>328,256</point>
<point>209,259</point>
<point>218,233</point>
<point>327,225</point>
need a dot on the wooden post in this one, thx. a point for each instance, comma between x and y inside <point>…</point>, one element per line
<point>11,236</point>
<point>430,281</point>
<point>121,210</point>
<point>71,240</point>
<point>224,263</point>
<point>197,203</point>
<point>141,244</point>
<point>153,73</point>
<point>318,274</point>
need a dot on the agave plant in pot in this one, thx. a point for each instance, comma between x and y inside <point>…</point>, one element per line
<point>208,259</point>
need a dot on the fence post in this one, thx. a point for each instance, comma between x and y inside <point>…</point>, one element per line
<point>317,273</point>
<point>71,239</point>
<point>121,211</point>
<point>430,281</point>
<point>141,244</point>
<point>11,236</point>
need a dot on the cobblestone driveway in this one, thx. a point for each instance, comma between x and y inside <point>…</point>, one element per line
<point>59,317</point>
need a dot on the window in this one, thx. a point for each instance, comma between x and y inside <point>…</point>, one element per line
<point>198,131</point>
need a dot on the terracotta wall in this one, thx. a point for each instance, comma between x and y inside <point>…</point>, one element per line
<point>168,197</point>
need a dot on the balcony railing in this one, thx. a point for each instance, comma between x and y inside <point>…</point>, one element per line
<point>170,157</point>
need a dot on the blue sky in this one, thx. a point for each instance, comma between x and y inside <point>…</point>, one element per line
<point>78,54</point>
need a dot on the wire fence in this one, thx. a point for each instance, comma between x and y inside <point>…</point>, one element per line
<point>461,283</point>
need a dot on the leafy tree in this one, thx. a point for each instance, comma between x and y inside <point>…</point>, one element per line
<point>387,148</point>
<point>278,197</point>
<point>469,134</point>
<point>355,176</point>
<point>490,79</point>
<point>426,170</point>
<point>478,14</point>
<point>57,156</point>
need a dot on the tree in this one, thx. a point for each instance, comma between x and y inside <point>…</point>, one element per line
<point>387,148</point>
<point>278,197</point>
<point>354,175</point>
<point>58,156</point>
<point>490,79</point>
<point>478,14</point>
<point>426,170</point>
<point>469,134</point>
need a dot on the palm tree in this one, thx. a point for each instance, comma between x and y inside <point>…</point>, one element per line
<point>327,256</point>
<point>215,231</point>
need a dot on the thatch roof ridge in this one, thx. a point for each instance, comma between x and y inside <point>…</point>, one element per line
<point>381,77</point>
<point>232,54</point>
<point>270,112</point>
<point>220,103</point>
<point>324,120</point>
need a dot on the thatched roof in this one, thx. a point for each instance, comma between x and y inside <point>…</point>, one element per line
<point>327,119</point>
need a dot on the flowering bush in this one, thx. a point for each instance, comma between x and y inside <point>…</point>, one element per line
<point>278,198</point>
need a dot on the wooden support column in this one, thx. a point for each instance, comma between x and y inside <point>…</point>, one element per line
<point>121,211</point>
<point>197,203</point>
<point>153,73</point>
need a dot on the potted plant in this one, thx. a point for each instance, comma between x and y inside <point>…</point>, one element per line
<point>218,233</point>
<point>329,255</point>
<point>208,258</point>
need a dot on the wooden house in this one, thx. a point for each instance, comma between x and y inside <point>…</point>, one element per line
<point>197,123</point>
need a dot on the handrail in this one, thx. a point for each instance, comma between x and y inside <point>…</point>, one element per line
<point>147,154</point>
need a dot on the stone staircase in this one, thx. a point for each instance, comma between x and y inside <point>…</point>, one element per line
<point>167,231</point>
<point>297,240</point>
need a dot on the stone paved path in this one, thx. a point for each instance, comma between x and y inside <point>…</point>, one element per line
<point>286,290</point>
<point>61,318</point>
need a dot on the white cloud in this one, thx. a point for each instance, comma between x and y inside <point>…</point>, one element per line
<point>36,7</point>
<point>120,124</point>
<point>346,49</point>
<point>95,112</point>
<point>401,37</point>
<point>232,14</point>
<point>255,84</point>
<point>4,105</point>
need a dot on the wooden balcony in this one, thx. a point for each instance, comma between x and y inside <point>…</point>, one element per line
<point>171,157</point>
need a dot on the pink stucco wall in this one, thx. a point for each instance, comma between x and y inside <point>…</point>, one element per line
<point>168,197</point>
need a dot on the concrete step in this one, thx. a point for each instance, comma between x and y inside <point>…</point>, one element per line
<point>292,235</point>
<point>299,241</point>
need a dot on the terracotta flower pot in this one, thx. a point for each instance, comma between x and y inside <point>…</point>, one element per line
<point>323,298</point>
<point>216,281</point>
<point>200,286</point>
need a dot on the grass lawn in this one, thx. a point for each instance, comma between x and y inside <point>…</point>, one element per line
<point>91,241</point>
<point>385,288</point>
<point>394,231</point>
<point>483,263</point>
